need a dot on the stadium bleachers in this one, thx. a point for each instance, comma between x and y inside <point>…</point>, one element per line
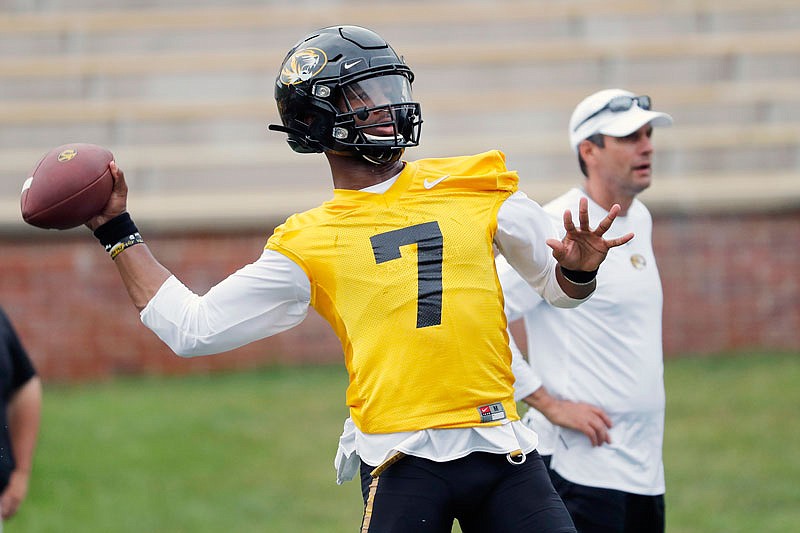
<point>182,93</point>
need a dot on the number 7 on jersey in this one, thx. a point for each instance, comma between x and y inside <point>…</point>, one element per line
<point>428,238</point>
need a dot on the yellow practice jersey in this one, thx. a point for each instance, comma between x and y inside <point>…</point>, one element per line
<point>407,281</point>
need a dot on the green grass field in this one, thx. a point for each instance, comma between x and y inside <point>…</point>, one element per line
<point>253,452</point>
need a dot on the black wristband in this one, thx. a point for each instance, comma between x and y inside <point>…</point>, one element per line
<point>579,277</point>
<point>124,244</point>
<point>115,230</point>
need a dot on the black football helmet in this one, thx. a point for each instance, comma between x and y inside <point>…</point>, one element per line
<point>343,89</point>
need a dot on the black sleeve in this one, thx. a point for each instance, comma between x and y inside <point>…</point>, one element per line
<point>18,367</point>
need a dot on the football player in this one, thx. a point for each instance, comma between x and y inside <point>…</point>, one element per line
<point>400,263</point>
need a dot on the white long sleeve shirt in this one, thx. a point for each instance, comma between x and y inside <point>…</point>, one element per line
<point>607,352</point>
<point>273,294</point>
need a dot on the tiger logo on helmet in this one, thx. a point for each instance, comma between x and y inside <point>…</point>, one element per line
<point>303,65</point>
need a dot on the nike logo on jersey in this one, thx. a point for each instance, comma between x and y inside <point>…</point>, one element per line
<point>348,66</point>
<point>431,184</point>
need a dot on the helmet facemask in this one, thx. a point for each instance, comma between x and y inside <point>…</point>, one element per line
<point>376,118</point>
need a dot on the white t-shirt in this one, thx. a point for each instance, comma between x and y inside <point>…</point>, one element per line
<point>607,352</point>
<point>273,293</point>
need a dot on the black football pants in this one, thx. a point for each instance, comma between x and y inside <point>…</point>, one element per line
<point>596,510</point>
<point>485,492</point>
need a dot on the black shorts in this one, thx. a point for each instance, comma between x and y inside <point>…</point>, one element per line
<point>596,510</point>
<point>483,491</point>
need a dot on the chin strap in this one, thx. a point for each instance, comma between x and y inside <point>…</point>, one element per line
<point>393,156</point>
<point>284,129</point>
<point>306,146</point>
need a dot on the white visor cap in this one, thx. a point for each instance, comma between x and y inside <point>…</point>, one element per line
<point>607,122</point>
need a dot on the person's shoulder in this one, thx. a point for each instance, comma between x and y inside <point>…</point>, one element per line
<point>486,170</point>
<point>465,165</point>
<point>301,222</point>
<point>639,209</point>
<point>567,200</point>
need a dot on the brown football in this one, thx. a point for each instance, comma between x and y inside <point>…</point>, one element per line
<point>68,186</point>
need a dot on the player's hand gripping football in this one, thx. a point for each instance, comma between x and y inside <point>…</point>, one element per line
<point>117,202</point>
<point>583,248</point>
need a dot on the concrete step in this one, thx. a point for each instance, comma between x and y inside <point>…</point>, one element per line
<point>682,150</point>
<point>130,121</point>
<point>519,63</point>
<point>265,206</point>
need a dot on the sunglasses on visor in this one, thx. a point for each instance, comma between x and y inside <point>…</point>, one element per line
<point>619,104</point>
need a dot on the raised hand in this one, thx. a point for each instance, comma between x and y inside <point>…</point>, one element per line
<point>583,248</point>
<point>117,203</point>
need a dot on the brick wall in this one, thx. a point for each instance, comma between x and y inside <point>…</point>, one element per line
<point>77,322</point>
<point>730,282</point>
